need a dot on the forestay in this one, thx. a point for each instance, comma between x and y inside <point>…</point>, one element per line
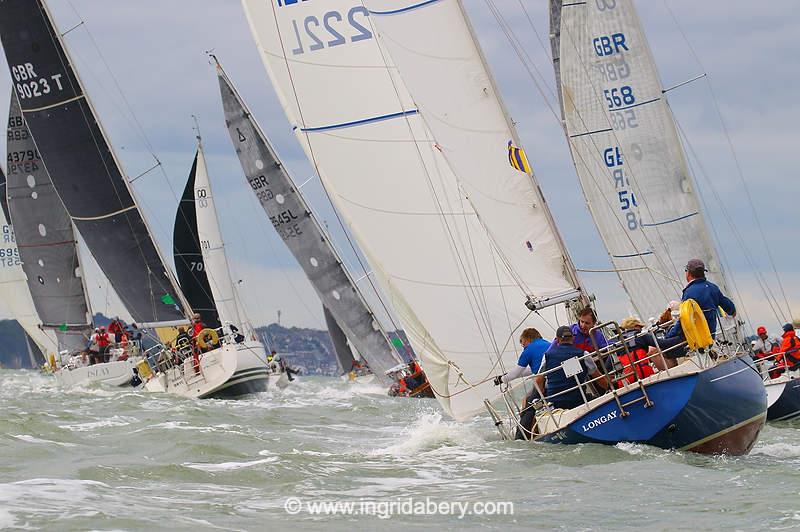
<point>82,165</point>
<point>303,235</point>
<point>213,247</point>
<point>189,264</point>
<point>45,238</point>
<point>455,286</point>
<point>14,293</point>
<point>627,152</point>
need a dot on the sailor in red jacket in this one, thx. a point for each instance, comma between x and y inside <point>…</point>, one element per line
<point>197,324</point>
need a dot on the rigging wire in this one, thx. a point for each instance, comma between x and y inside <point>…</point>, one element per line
<point>734,154</point>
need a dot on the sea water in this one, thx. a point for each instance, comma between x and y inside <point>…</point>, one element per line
<point>330,455</point>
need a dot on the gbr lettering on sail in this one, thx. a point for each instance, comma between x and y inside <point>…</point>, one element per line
<point>30,85</point>
<point>325,28</point>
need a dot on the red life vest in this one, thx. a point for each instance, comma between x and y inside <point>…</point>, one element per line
<point>102,339</point>
<point>643,369</point>
<point>199,326</point>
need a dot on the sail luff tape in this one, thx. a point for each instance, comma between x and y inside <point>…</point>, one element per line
<point>104,216</point>
<point>36,109</point>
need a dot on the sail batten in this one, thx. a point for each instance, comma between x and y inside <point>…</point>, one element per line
<point>82,164</point>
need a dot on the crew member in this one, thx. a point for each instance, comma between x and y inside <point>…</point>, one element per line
<point>790,347</point>
<point>630,328</point>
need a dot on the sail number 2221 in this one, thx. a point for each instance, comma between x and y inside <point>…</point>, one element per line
<point>331,29</point>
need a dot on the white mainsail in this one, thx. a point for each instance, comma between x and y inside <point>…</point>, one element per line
<point>213,247</point>
<point>627,151</point>
<point>458,287</point>
<point>14,285</point>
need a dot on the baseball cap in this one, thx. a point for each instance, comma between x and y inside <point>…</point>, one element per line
<point>695,264</point>
<point>761,330</point>
<point>564,332</point>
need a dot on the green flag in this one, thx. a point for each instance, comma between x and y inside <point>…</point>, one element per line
<point>63,327</point>
<point>397,342</point>
<point>167,299</point>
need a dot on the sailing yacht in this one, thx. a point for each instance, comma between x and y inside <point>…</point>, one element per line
<point>414,153</point>
<point>49,251</point>
<point>347,313</point>
<point>233,364</point>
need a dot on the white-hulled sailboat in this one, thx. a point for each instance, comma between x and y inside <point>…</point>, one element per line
<point>235,364</point>
<point>408,133</point>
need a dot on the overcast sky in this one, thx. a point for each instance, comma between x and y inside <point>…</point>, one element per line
<point>154,52</point>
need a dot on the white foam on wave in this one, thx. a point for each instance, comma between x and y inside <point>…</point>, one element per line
<point>778,450</point>
<point>114,421</point>
<point>430,432</point>
<point>232,466</point>
<point>33,439</point>
<point>7,519</point>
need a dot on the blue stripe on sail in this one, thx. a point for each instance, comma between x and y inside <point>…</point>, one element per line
<point>404,9</point>
<point>631,256</point>
<point>361,122</point>
<point>634,105</point>
<point>670,221</point>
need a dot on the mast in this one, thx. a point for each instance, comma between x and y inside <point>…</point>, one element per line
<point>295,223</point>
<point>83,166</point>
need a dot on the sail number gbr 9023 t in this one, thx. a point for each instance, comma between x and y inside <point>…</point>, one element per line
<point>29,85</point>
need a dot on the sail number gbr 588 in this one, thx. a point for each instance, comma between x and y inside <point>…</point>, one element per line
<point>29,85</point>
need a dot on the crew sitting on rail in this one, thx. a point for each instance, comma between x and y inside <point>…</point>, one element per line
<point>530,360</point>
<point>630,328</point>
<point>557,382</point>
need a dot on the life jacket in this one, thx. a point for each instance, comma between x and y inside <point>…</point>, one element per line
<point>643,369</point>
<point>557,381</point>
<point>403,388</point>
<point>791,349</point>
<point>197,327</point>
<point>103,340</point>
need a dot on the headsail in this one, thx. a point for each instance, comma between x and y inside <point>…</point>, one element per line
<point>45,238</point>
<point>295,223</point>
<point>627,152</point>
<point>212,246</point>
<point>14,293</point>
<point>189,264</point>
<point>456,288</point>
<point>82,164</point>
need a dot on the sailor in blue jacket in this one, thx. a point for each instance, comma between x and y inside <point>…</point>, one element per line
<point>708,296</point>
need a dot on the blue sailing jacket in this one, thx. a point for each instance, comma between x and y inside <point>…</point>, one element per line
<point>709,297</point>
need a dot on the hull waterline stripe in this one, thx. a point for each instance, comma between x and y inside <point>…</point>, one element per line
<point>361,122</point>
<point>404,9</point>
<point>46,107</point>
<point>723,432</point>
<point>654,224</point>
